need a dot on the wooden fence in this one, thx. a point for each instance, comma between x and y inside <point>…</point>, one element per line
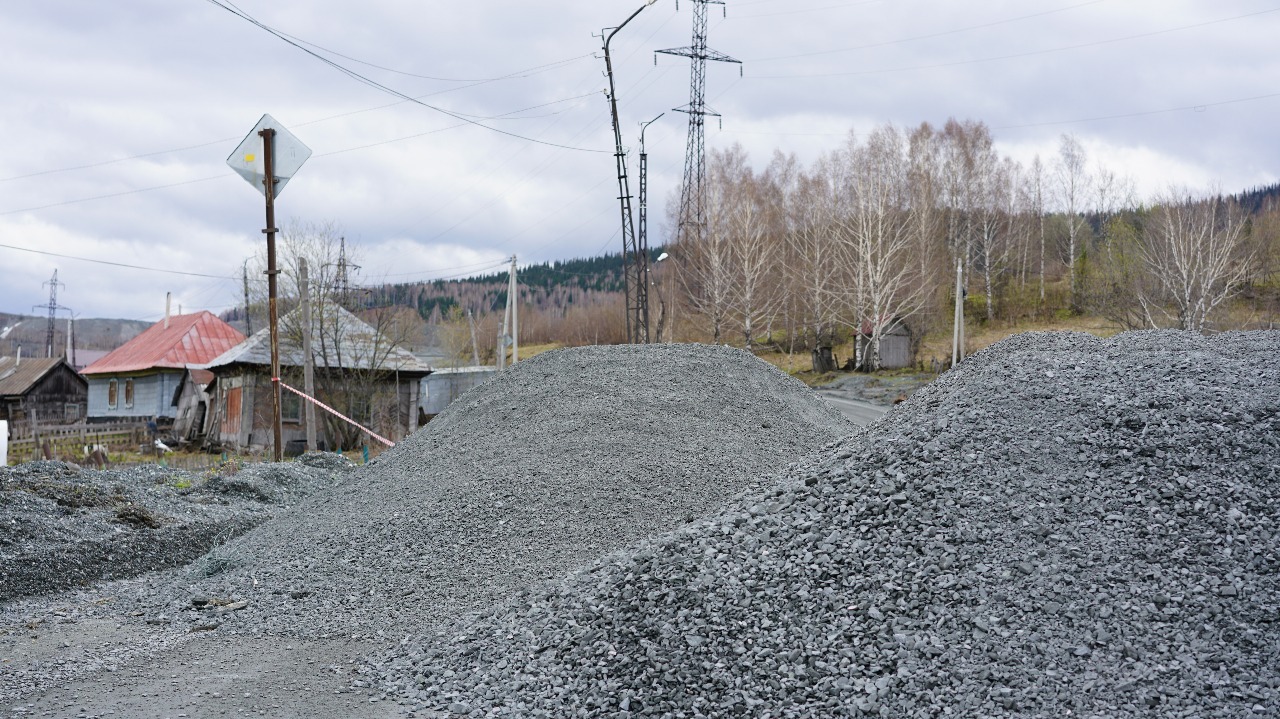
<point>67,441</point>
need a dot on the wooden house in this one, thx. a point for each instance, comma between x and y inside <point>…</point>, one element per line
<point>359,373</point>
<point>138,380</point>
<point>46,390</point>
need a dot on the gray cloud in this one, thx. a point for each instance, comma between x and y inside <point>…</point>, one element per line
<point>88,84</point>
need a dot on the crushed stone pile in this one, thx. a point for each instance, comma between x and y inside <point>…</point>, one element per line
<point>546,467</point>
<point>63,526</point>
<point>1060,526</point>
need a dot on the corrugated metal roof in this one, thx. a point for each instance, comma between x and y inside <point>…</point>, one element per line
<point>189,339</point>
<point>17,378</point>
<point>347,337</point>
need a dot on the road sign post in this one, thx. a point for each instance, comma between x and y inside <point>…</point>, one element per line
<point>280,157</point>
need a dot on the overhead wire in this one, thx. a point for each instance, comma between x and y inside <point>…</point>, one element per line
<point>116,264</point>
<point>930,36</point>
<point>1015,56</point>
<point>225,175</point>
<point>384,88</point>
<point>516,74</point>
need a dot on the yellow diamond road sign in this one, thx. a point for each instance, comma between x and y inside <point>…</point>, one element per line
<point>288,154</point>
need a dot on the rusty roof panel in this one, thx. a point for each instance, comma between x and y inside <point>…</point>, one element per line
<point>189,339</point>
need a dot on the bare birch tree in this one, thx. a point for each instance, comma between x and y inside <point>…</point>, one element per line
<point>705,266</point>
<point>811,268</point>
<point>880,238</point>
<point>1072,179</point>
<point>1197,253</point>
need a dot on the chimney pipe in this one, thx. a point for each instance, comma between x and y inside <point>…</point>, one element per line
<point>168,299</point>
<point>18,360</point>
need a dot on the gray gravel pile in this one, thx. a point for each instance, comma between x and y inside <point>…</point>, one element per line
<point>63,526</point>
<point>1061,526</point>
<point>561,459</point>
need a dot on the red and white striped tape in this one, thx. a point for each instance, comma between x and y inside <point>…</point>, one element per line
<point>334,412</point>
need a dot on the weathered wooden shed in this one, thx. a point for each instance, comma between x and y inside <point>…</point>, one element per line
<point>49,389</point>
<point>192,401</point>
<point>359,372</point>
<point>137,380</point>
<point>896,349</point>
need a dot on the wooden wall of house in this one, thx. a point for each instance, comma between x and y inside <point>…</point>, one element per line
<point>395,414</point>
<point>60,397</point>
<point>152,396</point>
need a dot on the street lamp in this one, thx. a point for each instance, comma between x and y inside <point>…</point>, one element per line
<point>635,262</point>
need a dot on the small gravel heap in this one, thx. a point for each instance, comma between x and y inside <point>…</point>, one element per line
<point>553,463</point>
<point>1060,526</point>
<point>63,526</point>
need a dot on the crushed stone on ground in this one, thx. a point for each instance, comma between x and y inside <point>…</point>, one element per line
<point>1060,526</point>
<point>63,526</point>
<point>560,459</point>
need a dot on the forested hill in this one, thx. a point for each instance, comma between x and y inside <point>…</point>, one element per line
<point>1258,199</point>
<point>550,285</point>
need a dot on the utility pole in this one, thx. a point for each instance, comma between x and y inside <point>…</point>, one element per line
<point>248,323</point>
<point>244,161</point>
<point>642,239</point>
<point>957,332</point>
<point>475,350</point>
<point>635,262</point>
<point>513,299</point>
<point>269,182</point>
<point>692,223</point>
<point>308,362</point>
<point>510,335</point>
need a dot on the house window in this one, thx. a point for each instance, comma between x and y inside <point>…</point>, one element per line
<point>128,394</point>
<point>71,412</point>
<point>290,407</point>
<point>359,409</point>
<point>113,393</point>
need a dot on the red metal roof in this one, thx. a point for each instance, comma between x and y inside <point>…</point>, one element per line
<point>189,339</point>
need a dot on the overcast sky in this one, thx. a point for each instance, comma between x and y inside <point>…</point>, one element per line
<point>117,118</point>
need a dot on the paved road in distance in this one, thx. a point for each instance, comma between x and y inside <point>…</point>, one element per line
<point>856,410</point>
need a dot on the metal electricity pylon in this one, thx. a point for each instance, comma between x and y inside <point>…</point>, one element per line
<point>692,222</point>
<point>53,308</point>
<point>635,263</point>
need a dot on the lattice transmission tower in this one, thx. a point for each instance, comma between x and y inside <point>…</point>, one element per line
<point>53,308</point>
<point>692,223</point>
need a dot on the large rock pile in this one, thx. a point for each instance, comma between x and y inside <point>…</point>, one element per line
<point>63,526</point>
<point>1061,526</point>
<point>559,460</point>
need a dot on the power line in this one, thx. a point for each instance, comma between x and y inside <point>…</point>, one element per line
<point>484,264</point>
<point>383,88</point>
<point>929,36</point>
<point>217,177</point>
<point>1197,108</point>
<point>517,74</point>
<point>1021,54</point>
<point>798,11</point>
<point>115,264</point>
<point>113,194</point>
